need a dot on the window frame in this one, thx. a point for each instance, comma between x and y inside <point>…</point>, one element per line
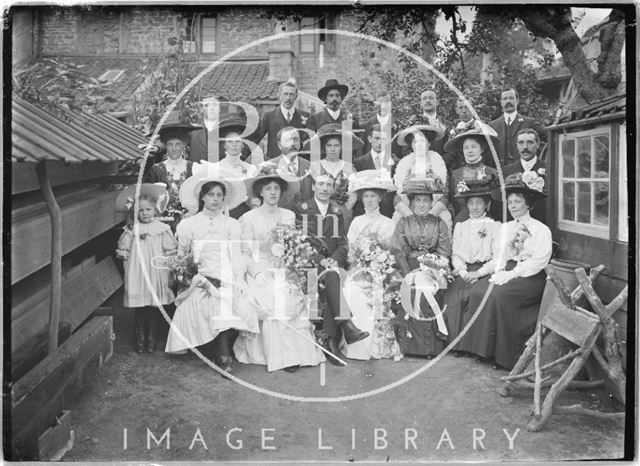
<point>574,226</point>
<point>200,35</point>
<point>329,23</point>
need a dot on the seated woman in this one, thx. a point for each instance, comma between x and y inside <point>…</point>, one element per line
<point>419,162</point>
<point>287,340</point>
<point>470,145</point>
<point>176,167</point>
<point>329,139</point>
<point>474,250</point>
<point>415,235</point>
<point>359,287</point>
<point>213,304</point>
<point>510,313</point>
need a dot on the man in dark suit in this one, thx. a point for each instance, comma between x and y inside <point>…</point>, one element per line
<point>384,118</point>
<point>325,226</point>
<point>528,143</point>
<point>283,115</point>
<point>378,157</point>
<point>290,163</point>
<point>429,116</point>
<point>332,94</point>
<point>507,127</point>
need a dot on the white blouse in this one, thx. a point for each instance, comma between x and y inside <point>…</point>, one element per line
<point>536,247</point>
<point>208,236</point>
<point>368,223</point>
<point>476,240</point>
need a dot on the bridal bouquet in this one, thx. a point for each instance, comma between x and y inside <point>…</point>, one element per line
<point>517,241</point>
<point>292,249</point>
<point>183,268</point>
<point>437,267</point>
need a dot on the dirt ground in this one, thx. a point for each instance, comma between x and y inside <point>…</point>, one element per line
<point>431,417</point>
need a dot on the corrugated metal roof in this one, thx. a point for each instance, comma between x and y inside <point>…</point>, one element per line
<point>614,104</point>
<point>38,135</point>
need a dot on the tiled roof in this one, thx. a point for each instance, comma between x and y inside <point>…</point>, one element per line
<point>246,82</point>
<point>610,105</point>
<point>38,135</point>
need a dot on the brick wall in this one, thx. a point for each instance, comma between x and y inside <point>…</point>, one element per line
<point>59,32</point>
<point>240,26</point>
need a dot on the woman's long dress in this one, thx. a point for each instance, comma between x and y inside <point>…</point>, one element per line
<point>475,247</point>
<point>416,235</point>
<point>509,316</point>
<point>213,303</point>
<point>358,292</point>
<point>156,241</point>
<point>287,338</point>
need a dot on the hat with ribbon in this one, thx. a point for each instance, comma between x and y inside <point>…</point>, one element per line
<point>158,191</point>
<point>332,84</point>
<point>430,183</point>
<point>334,130</point>
<point>371,180</point>
<point>528,182</point>
<point>236,191</point>
<point>478,187</point>
<point>271,172</point>
<point>481,132</point>
<point>431,132</point>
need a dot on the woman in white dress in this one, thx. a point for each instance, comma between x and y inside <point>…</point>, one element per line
<point>213,304</point>
<point>418,163</point>
<point>286,340</point>
<point>370,186</point>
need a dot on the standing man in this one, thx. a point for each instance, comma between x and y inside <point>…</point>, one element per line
<point>383,118</point>
<point>283,115</point>
<point>508,125</point>
<point>429,116</point>
<point>290,163</point>
<point>332,94</point>
<point>325,226</point>
<point>528,144</point>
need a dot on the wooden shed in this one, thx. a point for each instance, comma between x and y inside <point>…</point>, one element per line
<point>61,268</point>
<point>588,193</point>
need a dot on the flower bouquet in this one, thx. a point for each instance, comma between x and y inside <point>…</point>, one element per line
<point>517,241</point>
<point>293,250</point>
<point>183,269</point>
<point>437,267</point>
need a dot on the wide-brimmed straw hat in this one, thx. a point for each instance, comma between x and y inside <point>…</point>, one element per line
<point>176,124</point>
<point>482,132</point>
<point>332,84</point>
<point>334,130</point>
<point>371,179</point>
<point>528,182</point>
<point>431,132</point>
<point>271,171</point>
<point>236,191</point>
<point>158,191</point>
<point>430,183</point>
<point>483,187</point>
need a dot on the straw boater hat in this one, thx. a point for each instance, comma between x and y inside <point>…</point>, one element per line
<point>158,191</point>
<point>528,182</point>
<point>431,132</point>
<point>484,187</point>
<point>483,132</point>
<point>430,183</point>
<point>190,189</point>
<point>371,180</point>
<point>176,125</point>
<point>335,130</point>
<point>332,84</point>
<point>270,171</point>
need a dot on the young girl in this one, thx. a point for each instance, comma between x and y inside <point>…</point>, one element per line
<point>475,246</point>
<point>143,246</point>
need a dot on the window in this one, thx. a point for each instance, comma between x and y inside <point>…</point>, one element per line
<point>623,186</point>
<point>312,43</point>
<point>208,35</point>
<point>199,34</point>
<point>584,182</point>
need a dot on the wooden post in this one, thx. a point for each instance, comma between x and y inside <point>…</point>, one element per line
<point>56,254</point>
<point>536,389</point>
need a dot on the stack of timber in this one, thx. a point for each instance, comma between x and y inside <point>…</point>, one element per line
<point>62,236</point>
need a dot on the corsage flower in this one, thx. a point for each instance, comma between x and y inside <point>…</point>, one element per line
<point>462,187</point>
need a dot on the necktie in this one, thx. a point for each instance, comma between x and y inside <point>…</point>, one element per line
<point>376,161</point>
<point>509,120</point>
<point>292,167</point>
<point>288,117</point>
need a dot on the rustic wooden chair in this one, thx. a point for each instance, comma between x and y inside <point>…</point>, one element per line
<point>582,328</point>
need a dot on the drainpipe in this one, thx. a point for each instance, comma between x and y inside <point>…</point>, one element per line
<point>56,254</point>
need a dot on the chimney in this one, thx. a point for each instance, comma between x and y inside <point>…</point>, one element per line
<point>281,58</point>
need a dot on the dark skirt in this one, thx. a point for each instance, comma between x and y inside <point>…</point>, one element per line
<point>507,320</point>
<point>456,298</point>
<point>421,337</point>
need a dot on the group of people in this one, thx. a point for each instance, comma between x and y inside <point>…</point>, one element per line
<point>424,199</point>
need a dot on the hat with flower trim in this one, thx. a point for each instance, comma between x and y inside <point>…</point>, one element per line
<point>158,191</point>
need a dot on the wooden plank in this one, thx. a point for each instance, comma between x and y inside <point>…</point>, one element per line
<point>38,397</point>
<point>34,350</point>
<point>574,325</point>
<point>80,297</point>
<point>55,439</point>
<point>81,221</point>
<point>23,176</point>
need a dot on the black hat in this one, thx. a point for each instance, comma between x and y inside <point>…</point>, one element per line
<point>332,84</point>
<point>483,187</point>
<point>176,124</point>
<point>528,182</point>
<point>231,122</point>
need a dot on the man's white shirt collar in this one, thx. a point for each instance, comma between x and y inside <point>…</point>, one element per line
<point>511,117</point>
<point>528,164</point>
<point>285,111</point>
<point>333,114</point>
<point>383,120</point>
<point>324,208</point>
